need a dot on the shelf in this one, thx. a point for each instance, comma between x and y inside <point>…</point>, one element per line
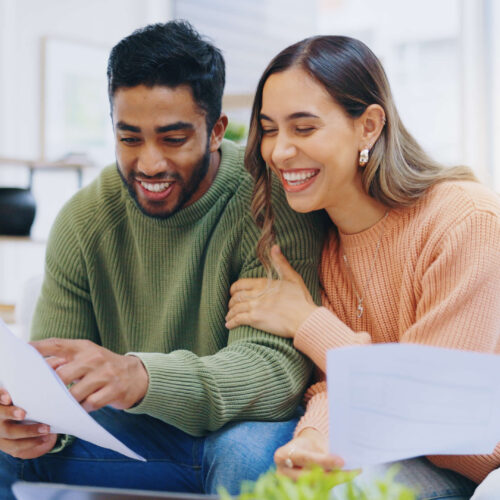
<point>21,239</point>
<point>8,312</point>
<point>37,165</point>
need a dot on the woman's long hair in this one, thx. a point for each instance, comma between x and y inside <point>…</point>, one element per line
<point>398,171</point>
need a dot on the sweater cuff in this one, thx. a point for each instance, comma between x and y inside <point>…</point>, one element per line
<point>155,393</point>
<point>475,467</point>
<point>323,330</point>
<point>310,336</point>
<point>316,416</point>
<point>63,440</point>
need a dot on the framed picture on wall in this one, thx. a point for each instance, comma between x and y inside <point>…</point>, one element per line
<point>75,108</point>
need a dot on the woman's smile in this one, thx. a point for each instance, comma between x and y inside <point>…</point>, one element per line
<point>295,180</point>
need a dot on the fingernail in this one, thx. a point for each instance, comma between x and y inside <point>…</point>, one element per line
<point>43,429</point>
<point>45,438</point>
<point>18,414</point>
<point>4,399</point>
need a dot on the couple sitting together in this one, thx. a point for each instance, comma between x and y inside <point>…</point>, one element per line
<point>157,303</point>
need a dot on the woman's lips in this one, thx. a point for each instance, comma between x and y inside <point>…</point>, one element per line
<point>298,179</point>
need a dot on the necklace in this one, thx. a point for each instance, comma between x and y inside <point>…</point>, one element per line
<point>360,309</point>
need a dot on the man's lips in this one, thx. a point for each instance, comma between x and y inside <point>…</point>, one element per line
<point>155,191</point>
<point>298,179</point>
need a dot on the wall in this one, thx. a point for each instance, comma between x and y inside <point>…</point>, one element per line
<point>444,69</point>
<point>23,24</point>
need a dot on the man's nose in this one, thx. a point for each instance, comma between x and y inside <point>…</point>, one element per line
<point>151,161</point>
<point>283,149</point>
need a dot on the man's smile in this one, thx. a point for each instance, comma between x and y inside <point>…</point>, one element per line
<point>155,187</point>
<point>155,191</point>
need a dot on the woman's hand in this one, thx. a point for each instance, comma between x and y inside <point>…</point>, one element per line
<point>278,306</point>
<point>309,448</point>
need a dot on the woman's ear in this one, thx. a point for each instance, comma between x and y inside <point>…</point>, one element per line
<point>371,124</point>
<point>218,132</point>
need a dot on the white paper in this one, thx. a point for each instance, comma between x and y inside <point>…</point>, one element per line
<point>389,402</point>
<point>35,387</point>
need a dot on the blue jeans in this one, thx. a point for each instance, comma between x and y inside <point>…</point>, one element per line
<point>430,482</point>
<point>176,461</point>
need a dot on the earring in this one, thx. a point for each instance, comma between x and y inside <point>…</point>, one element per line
<point>364,156</point>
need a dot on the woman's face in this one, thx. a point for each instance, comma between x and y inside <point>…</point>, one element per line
<point>309,142</point>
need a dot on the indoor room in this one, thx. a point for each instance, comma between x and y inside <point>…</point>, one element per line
<point>57,137</point>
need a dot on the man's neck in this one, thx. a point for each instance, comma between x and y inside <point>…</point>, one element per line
<point>208,180</point>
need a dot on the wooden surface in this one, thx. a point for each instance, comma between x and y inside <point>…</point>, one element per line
<point>7,312</point>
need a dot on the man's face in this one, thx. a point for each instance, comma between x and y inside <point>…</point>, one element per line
<point>162,147</point>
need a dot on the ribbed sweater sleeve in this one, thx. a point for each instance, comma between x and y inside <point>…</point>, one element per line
<point>65,303</point>
<point>460,308</point>
<point>316,415</point>
<point>448,296</point>
<point>458,290</point>
<point>323,331</point>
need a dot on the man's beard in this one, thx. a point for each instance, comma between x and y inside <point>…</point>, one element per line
<point>188,188</point>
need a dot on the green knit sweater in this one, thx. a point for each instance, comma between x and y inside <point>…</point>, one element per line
<point>160,289</point>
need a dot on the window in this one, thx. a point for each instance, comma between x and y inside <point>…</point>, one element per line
<point>442,59</point>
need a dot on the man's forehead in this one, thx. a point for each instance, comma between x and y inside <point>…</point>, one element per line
<point>161,98</point>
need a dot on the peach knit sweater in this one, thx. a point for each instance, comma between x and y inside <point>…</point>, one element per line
<point>436,281</point>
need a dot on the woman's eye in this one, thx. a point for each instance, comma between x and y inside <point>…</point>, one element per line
<point>304,130</point>
<point>267,131</point>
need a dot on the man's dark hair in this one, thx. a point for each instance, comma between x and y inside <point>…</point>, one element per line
<point>170,54</point>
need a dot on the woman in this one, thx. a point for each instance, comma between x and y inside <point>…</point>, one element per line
<point>413,251</point>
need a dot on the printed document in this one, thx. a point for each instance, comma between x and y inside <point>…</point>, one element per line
<point>35,387</point>
<point>389,402</point>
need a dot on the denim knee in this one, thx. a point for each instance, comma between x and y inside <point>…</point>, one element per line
<point>242,451</point>
<point>429,481</point>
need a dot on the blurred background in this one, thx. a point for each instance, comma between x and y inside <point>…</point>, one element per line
<point>442,59</point>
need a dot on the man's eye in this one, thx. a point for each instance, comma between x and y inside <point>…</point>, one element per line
<point>129,140</point>
<point>175,140</point>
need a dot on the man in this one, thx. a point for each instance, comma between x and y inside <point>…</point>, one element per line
<point>138,271</point>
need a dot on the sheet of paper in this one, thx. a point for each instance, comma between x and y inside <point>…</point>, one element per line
<point>35,387</point>
<point>389,402</point>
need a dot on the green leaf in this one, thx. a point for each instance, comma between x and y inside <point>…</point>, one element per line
<point>316,484</point>
<point>235,132</point>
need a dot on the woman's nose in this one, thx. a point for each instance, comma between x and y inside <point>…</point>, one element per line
<point>283,149</point>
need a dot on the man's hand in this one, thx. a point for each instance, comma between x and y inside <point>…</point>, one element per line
<point>99,376</point>
<point>20,440</point>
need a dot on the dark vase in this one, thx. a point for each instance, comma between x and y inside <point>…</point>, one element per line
<point>17,211</point>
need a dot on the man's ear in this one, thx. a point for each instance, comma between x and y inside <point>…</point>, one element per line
<point>218,132</point>
<point>371,124</point>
